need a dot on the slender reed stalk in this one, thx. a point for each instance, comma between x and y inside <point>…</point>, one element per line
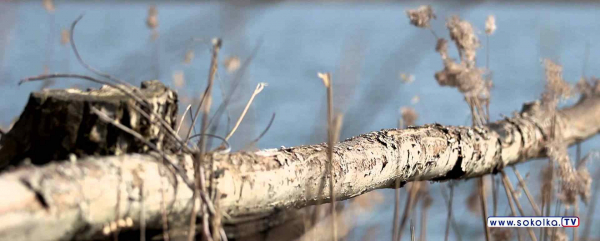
<point>523,184</point>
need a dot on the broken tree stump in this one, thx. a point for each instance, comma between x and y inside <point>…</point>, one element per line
<point>58,123</point>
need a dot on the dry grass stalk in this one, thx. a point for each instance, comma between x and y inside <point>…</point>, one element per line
<point>512,191</point>
<point>426,202</point>
<point>522,183</point>
<point>510,200</point>
<point>484,214</point>
<point>258,89</point>
<point>408,117</point>
<point>411,198</point>
<point>334,127</point>
<point>204,107</point>
<point>450,219</point>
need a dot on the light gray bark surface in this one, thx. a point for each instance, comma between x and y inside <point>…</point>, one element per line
<point>76,200</point>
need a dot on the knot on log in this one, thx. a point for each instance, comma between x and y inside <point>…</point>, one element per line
<point>57,123</point>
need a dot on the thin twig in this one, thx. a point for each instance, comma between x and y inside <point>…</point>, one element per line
<point>263,132</point>
<point>87,66</point>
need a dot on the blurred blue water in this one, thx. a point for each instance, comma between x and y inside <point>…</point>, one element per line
<point>366,46</point>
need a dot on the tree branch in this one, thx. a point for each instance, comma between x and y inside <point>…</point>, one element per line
<point>75,200</point>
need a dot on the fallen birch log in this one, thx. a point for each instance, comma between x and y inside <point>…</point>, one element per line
<point>76,200</point>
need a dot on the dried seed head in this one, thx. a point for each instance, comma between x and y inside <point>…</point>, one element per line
<point>48,5</point>
<point>407,78</point>
<point>461,32</point>
<point>490,25</point>
<point>152,19</point>
<point>442,48</point>
<point>588,88</point>
<point>65,37</point>
<point>189,56</point>
<point>232,64</point>
<point>556,87</point>
<point>421,16</point>
<point>409,116</point>
<point>178,79</point>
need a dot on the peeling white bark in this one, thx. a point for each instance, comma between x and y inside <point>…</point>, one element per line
<point>76,200</point>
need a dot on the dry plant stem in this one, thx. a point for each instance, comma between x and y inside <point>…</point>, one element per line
<point>235,83</point>
<point>510,201</point>
<point>253,142</point>
<point>512,192</point>
<point>199,159</point>
<point>277,178</point>
<point>408,208</point>
<point>423,228</point>
<point>258,89</point>
<point>447,233</point>
<point>412,230</point>
<point>331,140</point>
<point>576,214</point>
<point>396,211</point>
<point>187,109</point>
<point>482,198</point>
<point>494,194</point>
<point>523,184</point>
<point>211,76</point>
<point>87,66</point>
<point>589,219</point>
